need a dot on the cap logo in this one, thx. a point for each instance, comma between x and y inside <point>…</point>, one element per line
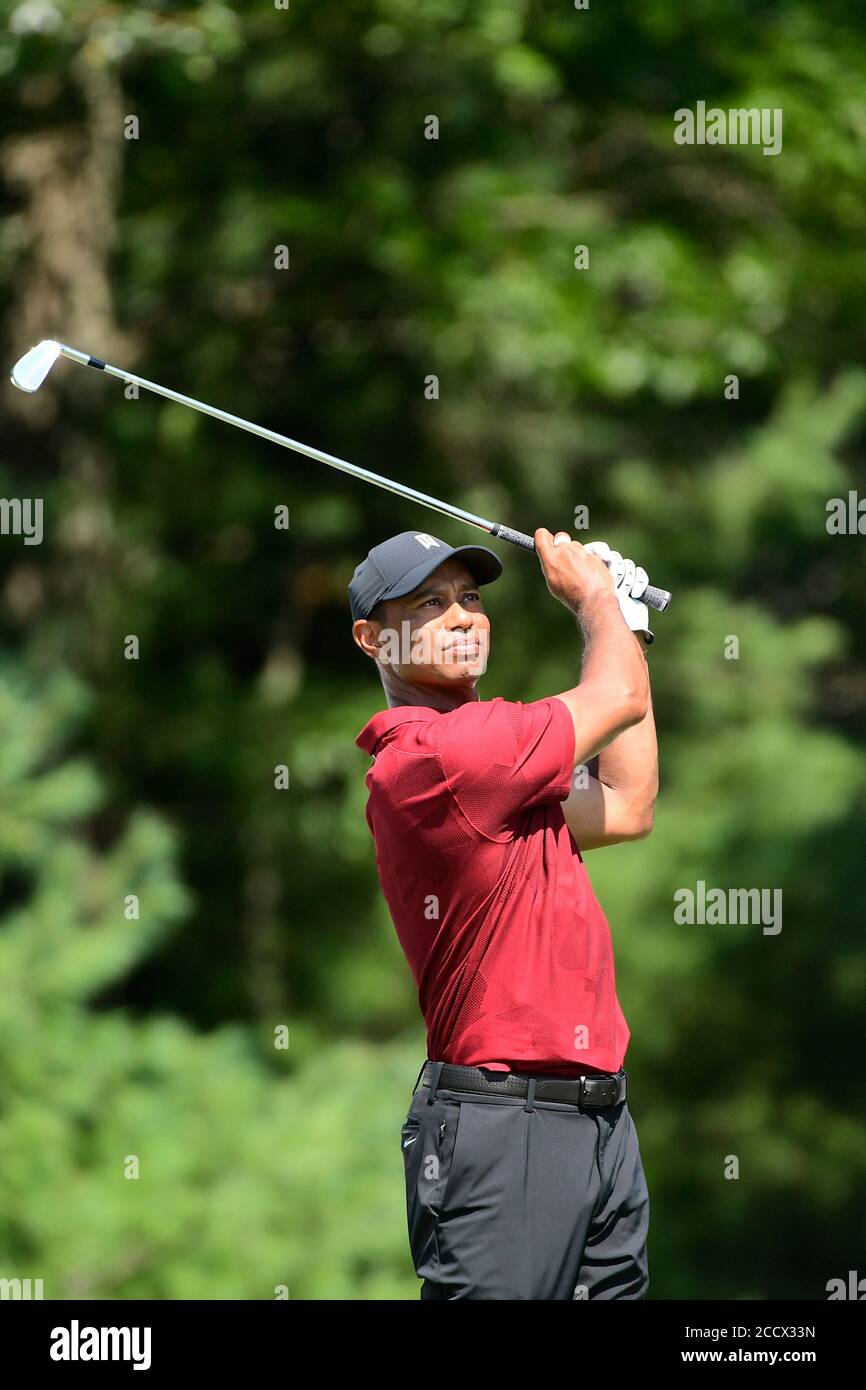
<point>428,542</point>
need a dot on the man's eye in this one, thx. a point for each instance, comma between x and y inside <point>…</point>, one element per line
<point>470,593</point>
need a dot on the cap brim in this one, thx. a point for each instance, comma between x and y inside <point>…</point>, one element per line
<point>484,565</point>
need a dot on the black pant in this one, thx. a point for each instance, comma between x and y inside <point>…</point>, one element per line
<point>516,1199</point>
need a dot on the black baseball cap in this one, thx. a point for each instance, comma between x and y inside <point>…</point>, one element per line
<point>399,564</point>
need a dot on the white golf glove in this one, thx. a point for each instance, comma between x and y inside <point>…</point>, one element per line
<point>630,581</point>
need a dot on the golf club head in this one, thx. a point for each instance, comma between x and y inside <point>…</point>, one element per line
<point>31,370</point>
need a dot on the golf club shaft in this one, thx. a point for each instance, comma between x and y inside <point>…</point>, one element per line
<point>653,597</point>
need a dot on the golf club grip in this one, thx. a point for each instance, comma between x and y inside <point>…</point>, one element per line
<point>653,597</point>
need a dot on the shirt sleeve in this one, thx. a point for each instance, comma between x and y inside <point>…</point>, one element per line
<point>501,757</point>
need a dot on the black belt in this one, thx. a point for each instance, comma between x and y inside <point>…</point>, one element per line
<point>588,1092</point>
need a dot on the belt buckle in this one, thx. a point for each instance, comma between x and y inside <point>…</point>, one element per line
<point>609,1087</point>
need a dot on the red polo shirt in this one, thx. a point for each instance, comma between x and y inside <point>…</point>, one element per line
<point>487,889</point>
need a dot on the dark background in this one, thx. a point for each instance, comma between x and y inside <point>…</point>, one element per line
<point>259,909</point>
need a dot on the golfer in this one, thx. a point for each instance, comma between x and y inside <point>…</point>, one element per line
<point>523,1171</point>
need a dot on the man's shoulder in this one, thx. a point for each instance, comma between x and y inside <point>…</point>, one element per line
<point>424,729</point>
<point>497,714</point>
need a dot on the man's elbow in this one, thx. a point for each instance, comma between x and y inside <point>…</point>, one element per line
<point>641,822</point>
<point>641,702</point>
<point>631,706</point>
<point>637,695</point>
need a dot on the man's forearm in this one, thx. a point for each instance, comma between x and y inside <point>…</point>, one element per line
<point>629,765</point>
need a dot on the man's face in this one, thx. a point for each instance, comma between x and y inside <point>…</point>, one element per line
<point>438,634</point>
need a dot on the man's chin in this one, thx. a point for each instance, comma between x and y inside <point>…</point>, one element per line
<point>467,672</point>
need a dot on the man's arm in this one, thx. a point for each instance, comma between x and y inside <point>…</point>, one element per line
<point>618,800</point>
<point>613,693</point>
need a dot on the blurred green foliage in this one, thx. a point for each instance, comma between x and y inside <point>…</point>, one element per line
<point>305,127</point>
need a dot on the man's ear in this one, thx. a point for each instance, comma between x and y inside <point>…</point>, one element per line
<point>365,633</point>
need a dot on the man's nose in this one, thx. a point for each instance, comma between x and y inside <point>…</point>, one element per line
<point>458,616</point>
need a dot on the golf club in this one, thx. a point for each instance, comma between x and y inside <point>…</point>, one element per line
<point>30,372</point>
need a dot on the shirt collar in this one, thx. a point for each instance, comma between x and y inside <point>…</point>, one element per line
<point>387,721</point>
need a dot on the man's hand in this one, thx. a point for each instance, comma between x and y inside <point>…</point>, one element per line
<point>574,575</point>
<point>630,581</point>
